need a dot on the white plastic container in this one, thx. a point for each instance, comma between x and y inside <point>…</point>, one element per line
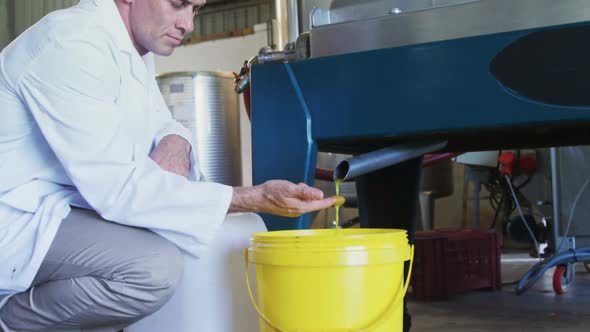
<point>212,297</point>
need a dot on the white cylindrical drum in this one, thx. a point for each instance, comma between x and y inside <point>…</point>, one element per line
<point>205,102</point>
<point>212,296</point>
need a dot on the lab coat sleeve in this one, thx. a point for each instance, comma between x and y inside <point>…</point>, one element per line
<point>71,90</point>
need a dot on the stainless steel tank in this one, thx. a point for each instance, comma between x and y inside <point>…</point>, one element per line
<point>437,182</point>
<point>205,102</point>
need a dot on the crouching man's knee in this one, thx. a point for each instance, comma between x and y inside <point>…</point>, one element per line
<point>153,278</point>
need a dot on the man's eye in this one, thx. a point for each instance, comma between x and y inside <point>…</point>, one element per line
<point>177,4</point>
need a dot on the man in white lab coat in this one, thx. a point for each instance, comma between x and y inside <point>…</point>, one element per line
<point>99,187</point>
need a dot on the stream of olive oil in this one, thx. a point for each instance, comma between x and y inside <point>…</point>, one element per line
<point>337,206</point>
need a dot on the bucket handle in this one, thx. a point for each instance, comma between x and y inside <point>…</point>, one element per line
<point>260,314</point>
<point>397,299</point>
<point>390,307</point>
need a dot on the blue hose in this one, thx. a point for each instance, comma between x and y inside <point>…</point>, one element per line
<point>536,272</point>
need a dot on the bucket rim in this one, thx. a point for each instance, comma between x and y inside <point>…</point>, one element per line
<point>314,235</point>
<point>325,247</point>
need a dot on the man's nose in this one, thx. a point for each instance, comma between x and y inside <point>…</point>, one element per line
<point>185,21</point>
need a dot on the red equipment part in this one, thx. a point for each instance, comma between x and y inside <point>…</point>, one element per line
<point>527,164</point>
<point>237,77</point>
<point>560,280</point>
<point>506,160</point>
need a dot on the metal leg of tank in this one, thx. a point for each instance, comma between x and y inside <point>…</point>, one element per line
<point>388,198</point>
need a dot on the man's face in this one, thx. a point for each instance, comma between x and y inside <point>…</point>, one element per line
<point>159,26</point>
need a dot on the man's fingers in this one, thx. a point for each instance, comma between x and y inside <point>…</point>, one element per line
<point>319,204</point>
<point>309,193</point>
<point>314,193</point>
<point>289,199</point>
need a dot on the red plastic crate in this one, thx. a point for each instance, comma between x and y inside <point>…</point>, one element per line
<point>449,262</point>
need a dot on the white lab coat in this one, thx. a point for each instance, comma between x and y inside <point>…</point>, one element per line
<point>80,112</point>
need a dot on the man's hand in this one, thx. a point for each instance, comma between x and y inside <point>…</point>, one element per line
<point>172,155</point>
<point>281,198</point>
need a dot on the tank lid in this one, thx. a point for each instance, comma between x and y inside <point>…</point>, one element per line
<point>195,74</point>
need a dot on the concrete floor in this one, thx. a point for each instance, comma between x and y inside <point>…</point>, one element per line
<point>537,310</point>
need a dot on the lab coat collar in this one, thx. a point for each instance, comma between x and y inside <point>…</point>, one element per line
<point>114,23</point>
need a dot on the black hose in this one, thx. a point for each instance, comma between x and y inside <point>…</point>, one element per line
<point>536,272</point>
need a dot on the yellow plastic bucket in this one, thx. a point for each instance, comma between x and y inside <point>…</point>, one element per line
<point>323,280</point>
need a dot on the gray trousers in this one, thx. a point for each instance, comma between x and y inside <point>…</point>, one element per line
<point>98,276</point>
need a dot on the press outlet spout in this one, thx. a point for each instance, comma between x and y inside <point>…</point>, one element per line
<point>375,160</point>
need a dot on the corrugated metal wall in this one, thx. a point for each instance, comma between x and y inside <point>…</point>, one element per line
<point>218,19</point>
<point>5,23</point>
<point>224,20</point>
<point>27,12</point>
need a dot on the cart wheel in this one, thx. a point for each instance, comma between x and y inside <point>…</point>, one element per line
<point>587,266</point>
<point>560,281</point>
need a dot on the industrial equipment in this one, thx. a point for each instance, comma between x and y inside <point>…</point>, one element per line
<point>369,79</point>
<point>560,192</point>
<point>479,74</point>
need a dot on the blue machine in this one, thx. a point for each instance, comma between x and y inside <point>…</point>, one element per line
<point>509,89</point>
<point>478,74</point>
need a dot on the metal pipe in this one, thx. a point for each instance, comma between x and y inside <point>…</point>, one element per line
<point>375,160</point>
<point>293,16</point>
<point>243,84</point>
<point>555,197</point>
<point>426,210</point>
<point>476,208</point>
<point>272,57</point>
<point>287,22</point>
